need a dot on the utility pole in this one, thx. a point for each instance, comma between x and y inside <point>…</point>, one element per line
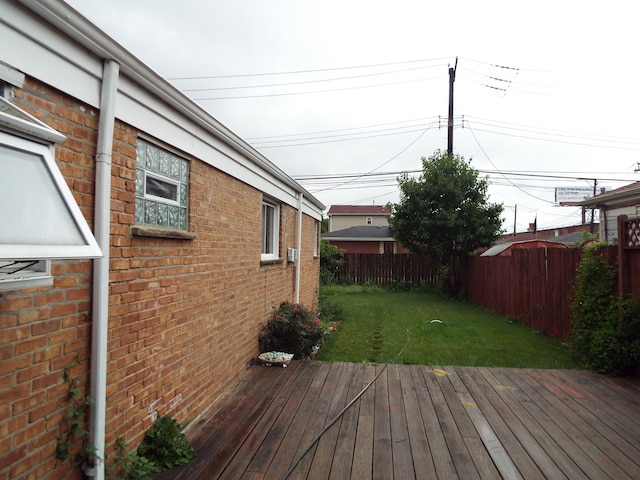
<point>452,79</point>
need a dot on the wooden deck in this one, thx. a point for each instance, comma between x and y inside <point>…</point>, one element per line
<point>419,422</point>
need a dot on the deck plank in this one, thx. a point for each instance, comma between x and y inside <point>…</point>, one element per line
<point>362,468</point>
<point>418,422</point>
<point>400,440</point>
<point>571,458</point>
<point>502,421</point>
<point>244,424</point>
<point>443,461</point>
<point>452,387</point>
<point>418,441</point>
<point>293,437</point>
<point>325,451</point>
<point>346,441</point>
<point>382,455</point>
<point>317,420</point>
<point>531,435</point>
<point>275,436</point>
<point>461,456</point>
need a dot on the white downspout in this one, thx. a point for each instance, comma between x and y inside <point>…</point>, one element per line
<point>298,248</point>
<point>102,226</point>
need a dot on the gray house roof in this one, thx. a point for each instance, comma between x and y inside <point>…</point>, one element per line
<point>362,233</point>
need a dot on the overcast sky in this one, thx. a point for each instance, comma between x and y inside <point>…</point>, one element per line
<point>347,88</point>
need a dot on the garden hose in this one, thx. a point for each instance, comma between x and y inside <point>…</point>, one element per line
<point>340,414</point>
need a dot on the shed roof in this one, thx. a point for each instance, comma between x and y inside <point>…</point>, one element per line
<point>502,247</point>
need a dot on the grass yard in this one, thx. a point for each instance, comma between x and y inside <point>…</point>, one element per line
<point>418,327</point>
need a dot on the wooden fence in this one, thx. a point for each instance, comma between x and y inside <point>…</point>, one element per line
<point>387,269</point>
<point>534,286</point>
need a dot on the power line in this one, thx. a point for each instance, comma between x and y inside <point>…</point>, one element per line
<point>318,91</point>
<point>317,70</point>
<point>391,159</point>
<point>302,82</point>
<point>341,129</point>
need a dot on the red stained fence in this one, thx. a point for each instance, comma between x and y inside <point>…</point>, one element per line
<point>534,285</point>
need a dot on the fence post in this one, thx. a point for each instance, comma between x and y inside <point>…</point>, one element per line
<point>621,258</point>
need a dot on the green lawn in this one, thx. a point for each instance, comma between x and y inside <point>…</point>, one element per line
<point>418,327</point>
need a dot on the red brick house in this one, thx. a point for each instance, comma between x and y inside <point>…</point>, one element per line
<point>198,237</point>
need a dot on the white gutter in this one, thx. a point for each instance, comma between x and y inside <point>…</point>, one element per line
<point>298,248</point>
<point>102,227</point>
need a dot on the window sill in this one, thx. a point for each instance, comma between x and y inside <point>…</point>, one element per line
<point>274,261</point>
<point>144,231</point>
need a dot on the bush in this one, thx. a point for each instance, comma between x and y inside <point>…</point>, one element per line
<point>165,445</point>
<point>605,329</point>
<point>329,310</point>
<point>291,329</point>
<point>330,261</point>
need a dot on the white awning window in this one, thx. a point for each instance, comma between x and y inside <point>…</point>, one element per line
<point>39,218</point>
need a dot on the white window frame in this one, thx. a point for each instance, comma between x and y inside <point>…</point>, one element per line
<point>164,179</point>
<point>29,265</point>
<point>23,132</point>
<point>369,221</point>
<point>316,238</point>
<point>270,231</point>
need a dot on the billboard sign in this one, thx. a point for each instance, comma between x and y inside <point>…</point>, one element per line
<point>576,193</point>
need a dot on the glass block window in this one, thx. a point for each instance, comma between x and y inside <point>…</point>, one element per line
<point>162,187</point>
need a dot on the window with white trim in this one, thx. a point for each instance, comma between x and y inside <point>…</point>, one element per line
<point>316,238</point>
<point>40,226</point>
<point>162,187</point>
<point>369,220</point>
<point>270,230</point>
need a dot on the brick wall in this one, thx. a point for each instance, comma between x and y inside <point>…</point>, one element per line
<point>184,314</point>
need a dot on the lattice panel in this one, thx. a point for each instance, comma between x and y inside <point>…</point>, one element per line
<point>632,233</point>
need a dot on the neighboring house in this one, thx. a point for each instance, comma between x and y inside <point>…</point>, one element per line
<point>621,201</point>
<point>198,237</point>
<point>364,239</point>
<point>345,216</point>
<point>361,229</point>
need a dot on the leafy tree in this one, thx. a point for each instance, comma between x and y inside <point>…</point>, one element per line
<point>445,213</point>
<point>330,261</point>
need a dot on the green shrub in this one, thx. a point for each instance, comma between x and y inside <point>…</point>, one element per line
<point>330,261</point>
<point>605,329</point>
<point>291,329</point>
<point>125,464</point>
<point>329,310</point>
<point>165,445</point>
